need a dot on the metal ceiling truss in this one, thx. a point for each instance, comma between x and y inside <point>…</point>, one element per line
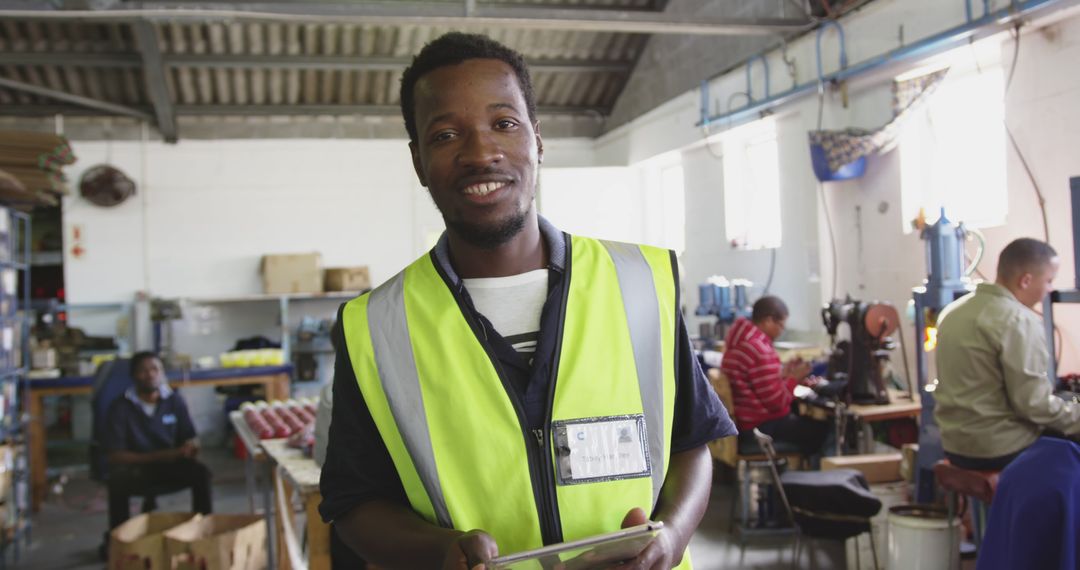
<point>154,75</point>
<point>452,15</point>
<point>145,16</point>
<point>315,63</point>
<point>85,102</point>
<point>93,107</point>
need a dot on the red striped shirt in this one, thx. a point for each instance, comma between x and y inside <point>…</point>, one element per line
<point>753,368</point>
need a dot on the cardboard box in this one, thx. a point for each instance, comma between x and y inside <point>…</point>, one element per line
<point>878,467</point>
<point>292,273</point>
<point>348,279</point>
<point>218,542</point>
<point>139,543</point>
<point>43,357</point>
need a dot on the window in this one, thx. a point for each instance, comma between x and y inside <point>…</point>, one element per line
<point>952,152</point>
<point>673,206</point>
<point>752,186</point>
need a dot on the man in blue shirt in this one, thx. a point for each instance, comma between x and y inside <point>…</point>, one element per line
<point>151,443</point>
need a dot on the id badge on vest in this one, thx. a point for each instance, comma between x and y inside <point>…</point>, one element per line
<point>590,450</point>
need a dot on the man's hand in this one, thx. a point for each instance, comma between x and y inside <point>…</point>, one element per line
<point>188,450</point>
<point>663,553</point>
<point>470,551</point>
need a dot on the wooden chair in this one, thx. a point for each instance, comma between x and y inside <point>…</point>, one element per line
<point>726,450</point>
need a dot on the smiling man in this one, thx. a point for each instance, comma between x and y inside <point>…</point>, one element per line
<point>517,386</point>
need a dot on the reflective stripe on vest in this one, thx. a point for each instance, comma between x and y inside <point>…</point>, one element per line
<point>456,437</point>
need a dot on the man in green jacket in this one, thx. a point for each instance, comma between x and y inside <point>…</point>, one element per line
<point>994,398</point>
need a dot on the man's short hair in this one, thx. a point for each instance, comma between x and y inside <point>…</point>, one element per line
<point>1024,255</point>
<point>452,49</point>
<point>769,306</point>
<point>139,357</point>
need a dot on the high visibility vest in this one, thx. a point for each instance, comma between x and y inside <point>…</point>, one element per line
<point>455,427</point>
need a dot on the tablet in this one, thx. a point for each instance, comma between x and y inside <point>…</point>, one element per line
<point>598,551</point>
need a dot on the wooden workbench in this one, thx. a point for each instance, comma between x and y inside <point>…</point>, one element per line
<point>298,475</point>
<point>900,406</point>
<point>274,380</point>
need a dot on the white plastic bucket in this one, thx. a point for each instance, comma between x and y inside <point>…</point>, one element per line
<point>922,538</point>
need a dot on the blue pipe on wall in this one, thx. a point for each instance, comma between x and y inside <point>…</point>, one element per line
<point>843,47</point>
<point>765,66</point>
<point>991,22</point>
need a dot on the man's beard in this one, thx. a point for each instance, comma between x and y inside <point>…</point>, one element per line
<point>489,237</point>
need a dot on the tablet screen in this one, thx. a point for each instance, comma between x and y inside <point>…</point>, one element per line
<point>598,551</point>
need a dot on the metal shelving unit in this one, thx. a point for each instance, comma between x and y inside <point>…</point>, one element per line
<point>1067,295</point>
<point>283,301</point>
<point>15,321</point>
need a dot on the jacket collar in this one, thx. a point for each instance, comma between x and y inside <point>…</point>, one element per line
<point>164,390</point>
<point>995,290</point>
<point>556,250</point>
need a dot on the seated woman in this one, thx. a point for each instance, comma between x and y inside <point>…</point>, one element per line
<point>762,388</point>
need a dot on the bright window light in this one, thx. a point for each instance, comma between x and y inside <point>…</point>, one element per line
<point>752,186</point>
<point>673,193</point>
<point>952,152</point>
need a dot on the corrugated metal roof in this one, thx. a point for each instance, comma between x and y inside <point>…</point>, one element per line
<point>204,79</point>
<point>221,66</point>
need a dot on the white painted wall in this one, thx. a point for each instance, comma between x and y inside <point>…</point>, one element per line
<point>206,211</point>
<point>212,208</point>
<point>875,260</point>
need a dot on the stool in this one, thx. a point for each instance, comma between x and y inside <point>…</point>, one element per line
<point>751,472</point>
<point>752,467</point>
<point>977,486</point>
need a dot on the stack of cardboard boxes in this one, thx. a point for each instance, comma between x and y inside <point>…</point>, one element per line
<point>304,273</point>
<point>183,541</point>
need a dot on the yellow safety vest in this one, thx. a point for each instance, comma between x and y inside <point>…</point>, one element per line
<point>455,428</point>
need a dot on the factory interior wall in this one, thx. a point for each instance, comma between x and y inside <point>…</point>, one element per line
<point>876,259</point>
<point>206,210</point>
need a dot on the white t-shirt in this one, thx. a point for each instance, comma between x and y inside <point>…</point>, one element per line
<point>513,305</point>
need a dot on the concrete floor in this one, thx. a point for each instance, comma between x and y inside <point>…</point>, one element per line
<point>69,527</point>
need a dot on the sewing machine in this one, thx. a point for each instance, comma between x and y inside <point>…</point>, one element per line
<point>861,340</point>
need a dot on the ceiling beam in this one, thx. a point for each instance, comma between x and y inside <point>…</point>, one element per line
<point>369,63</point>
<point>405,13</point>
<point>341,110</point>
<point>320,63</point>
<point>86,102</point>
<point>74,59</point>
<point>154,75</point>
<point>39,110</point>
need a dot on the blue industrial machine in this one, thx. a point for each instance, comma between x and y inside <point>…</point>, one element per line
<point>725,300</point>
<point>946,282</point>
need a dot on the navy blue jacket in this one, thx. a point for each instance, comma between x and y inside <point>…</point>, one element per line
<point>128,428</point>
